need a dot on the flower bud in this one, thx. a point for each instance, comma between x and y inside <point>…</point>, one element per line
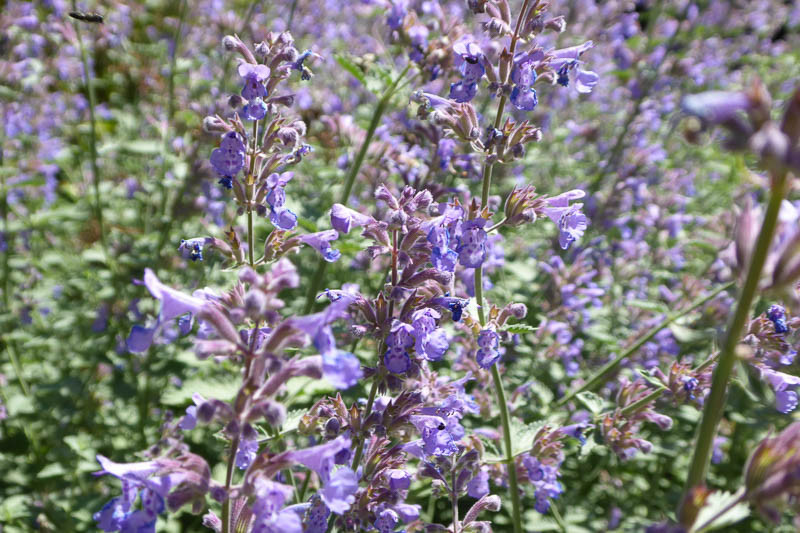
<point>557,24</point>
<point>215,125</point>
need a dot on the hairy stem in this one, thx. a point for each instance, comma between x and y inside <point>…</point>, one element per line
<point>498,381</point>
<point>715,403</point>
<point>601,375</point>
<point>454,498</point>
<point>377,115</point>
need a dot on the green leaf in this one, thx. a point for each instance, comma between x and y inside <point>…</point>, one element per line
<point>651,379</point>
<point>519,328</point>
<point>351,67</point>
<point>716,502</point>
<point>591,401</point>
<point>656,307</point>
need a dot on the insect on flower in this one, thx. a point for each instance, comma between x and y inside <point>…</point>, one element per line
<point>94,18</point>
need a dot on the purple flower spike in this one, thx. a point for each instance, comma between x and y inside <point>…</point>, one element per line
<point>343,219</point>
<point>320,241</point>
<point>341,368</point>
<point>472,244</point>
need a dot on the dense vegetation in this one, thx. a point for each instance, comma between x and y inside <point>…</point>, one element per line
<point>507,265</point>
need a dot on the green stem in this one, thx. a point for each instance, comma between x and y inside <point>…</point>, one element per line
<point>488,167</point>
<point>635,406</point>
<point>87,79</point>
<point>715,403</point>
<point>609,367</point>
<point>6,237</point>
<point>250,237</point>
<point>370,401</point>
<point>513,487</point>
<point>377,115</point>
<point>454,498</point>
<point>226,505</point>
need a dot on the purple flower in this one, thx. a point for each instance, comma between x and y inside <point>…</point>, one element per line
<point>338,493</point>
<point>436,439</point>
<point>397,14</point>
<point>777,315</point>
<point>488,348</point>
<point>321,458</point>
<point>118,514</point>
<point>401,338</point>
<point>140,339</point>
<point>715,107</point>
<point>523,73</point>
<point>246,453</point>
<point>341,368</point>
<point>471,60</point>
<point>398,479</point>
<point>315,519</point>
<point>386,521</point>
<point>317,326</point>
<point>544,478</point>
<point>478,486</point>
<point>463,91</point>
<point>566,60</point>
<point>524,98</point>
<point>189,421</point>
<point>255,109</point>
<point>339,486</point>
<point>228,159</point>
<point>343,218</point>
<point>430,341</point>
<point>472,243</point>
<point>784,386</point>
<point>320,241</point>
<point>193,248</point>
<point>442,257</point>
<point>570,220</point>
<point>173,303</point>
<point>279,215</point>
<point>455,305</point>
<point>254,78</point>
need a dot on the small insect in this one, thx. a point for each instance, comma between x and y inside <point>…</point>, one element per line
<point>441,427</point>
<point>95,18</point>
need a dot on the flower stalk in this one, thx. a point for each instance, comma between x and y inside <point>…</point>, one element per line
<point>715,403</point>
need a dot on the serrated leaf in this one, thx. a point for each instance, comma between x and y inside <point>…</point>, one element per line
<point>519,329</point>
<point>351,67</point>
<point>591,401</point>
<point>647,305</point>
<point>651,379</point>
<point>715,503</point>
